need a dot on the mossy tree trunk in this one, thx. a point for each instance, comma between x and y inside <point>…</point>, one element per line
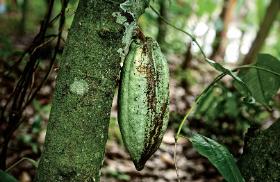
<point>78,126</point>
<point>260,159</point>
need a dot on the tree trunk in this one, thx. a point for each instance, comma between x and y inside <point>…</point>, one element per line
<point>78,126</point>
<point>269,18</point>
<point>260,159</point>
<point>221,34</point>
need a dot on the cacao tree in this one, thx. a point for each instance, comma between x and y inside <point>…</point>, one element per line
<point>89,69</point>
<point>103,35</point>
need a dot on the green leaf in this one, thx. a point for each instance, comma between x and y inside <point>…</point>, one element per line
<point>218,155</point>
<point>6,177</point>
<point>263,85</point>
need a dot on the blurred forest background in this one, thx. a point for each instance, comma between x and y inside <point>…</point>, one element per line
<point>231,32</point>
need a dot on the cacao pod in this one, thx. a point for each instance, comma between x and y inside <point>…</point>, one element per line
<point>143,100</point>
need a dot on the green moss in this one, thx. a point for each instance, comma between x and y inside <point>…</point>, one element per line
<point>261,158</point>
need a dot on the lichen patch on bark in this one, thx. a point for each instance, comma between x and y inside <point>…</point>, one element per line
<point>79,87</point>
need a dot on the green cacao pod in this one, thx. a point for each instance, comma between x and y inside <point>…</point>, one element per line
<point>143,100</point>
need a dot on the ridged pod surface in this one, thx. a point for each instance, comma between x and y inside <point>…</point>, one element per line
<point>143,100</point>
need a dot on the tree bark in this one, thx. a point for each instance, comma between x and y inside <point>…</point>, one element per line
<point>78,126</point>
<point>265,26</point>
<point>260,159</point>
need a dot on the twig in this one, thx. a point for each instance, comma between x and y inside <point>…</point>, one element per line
<point>21,160</point>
